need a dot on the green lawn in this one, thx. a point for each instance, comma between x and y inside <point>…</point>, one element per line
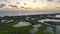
<point>8,29</point>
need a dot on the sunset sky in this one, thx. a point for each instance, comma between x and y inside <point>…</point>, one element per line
<point>28,5</point>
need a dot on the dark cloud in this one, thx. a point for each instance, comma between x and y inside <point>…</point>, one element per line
<point>13,6</point>
<point>34,1</point>
<point>50,0</point>
<point>17,2</point>
<point>57,7</point>
<point>22,7</point>
<point>27,8</point>
<point>2,5</point>
<point>25,4</point>
<point>59,1</point>
<point>5,0</point>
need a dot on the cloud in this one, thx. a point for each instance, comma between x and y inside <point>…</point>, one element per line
<point>2,5</point>
<point>34,1</point>
<point>27,8</point>
<point>25,4</point>
<point>17,2</point>
<point>57,7</point>
<point>22,7</point>
<point>59,1</point>
<point>50,0</point>
<point>13,6</point>
<point>9,12</point>
<point>56,1</point>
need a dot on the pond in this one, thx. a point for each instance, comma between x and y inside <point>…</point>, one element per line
<point>49,29</point>
<point>20,24</point>
<point>57,29</point>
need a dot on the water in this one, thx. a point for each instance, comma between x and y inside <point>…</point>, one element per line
<point>20,24</point>
<point>50,30</point>
<point>57,29</point>
<point>35,28</point>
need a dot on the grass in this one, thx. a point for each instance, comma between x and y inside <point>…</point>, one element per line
<point>8,29</point>
<point>33,22</point>
<point>54,30</point>
<point>41,30</point>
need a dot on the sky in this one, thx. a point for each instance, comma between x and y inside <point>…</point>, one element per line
<point>20,7</point>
